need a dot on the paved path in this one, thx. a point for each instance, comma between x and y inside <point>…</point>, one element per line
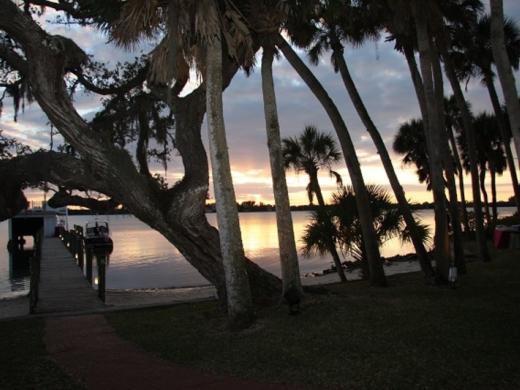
<point>63,287</point>
<point>89,350</point>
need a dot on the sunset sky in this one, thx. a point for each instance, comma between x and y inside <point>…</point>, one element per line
<point>380,73</point>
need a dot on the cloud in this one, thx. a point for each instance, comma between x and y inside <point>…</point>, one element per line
<point>381,75</point>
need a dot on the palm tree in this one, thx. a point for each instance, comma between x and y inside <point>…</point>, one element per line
<point>288,253</point>
<point>443,41</point>
<point>410,142</point>
<point>377,275</point>
<point>474,58</point>
<point>341,23</point>
<point>491,158</point>
<point>308,153</point>
<point>434,130</point>
<point>240,309</point>
<point>345,230</point>
<point>505,72</point>
<point>170,61</point>
<point>453,123</point>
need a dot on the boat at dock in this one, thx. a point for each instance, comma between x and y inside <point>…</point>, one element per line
<point>97,234</point>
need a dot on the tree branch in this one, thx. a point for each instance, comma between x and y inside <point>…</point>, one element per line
<point>30,170</point>
<point>137,81</point>
<point>63,198</point>
<point>61,6</point>
<point>142,143</point>
<point>13,59</point>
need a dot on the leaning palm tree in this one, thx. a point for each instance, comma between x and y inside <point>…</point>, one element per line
<point>308,153</point>
<point>345,229</point>
<point>195,32</point>
<point>504,69</point>
<point>377,275</point>
<point>341,24</point>
<point>443,43</point>
<point>272,13</point>
<point>474,58</point>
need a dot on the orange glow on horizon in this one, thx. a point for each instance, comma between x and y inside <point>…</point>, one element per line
<point>256,185</point>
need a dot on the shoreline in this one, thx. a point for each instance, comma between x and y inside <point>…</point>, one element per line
<point>12,308</point>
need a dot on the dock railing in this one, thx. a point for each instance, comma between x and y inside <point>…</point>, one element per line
<point>74,240</point>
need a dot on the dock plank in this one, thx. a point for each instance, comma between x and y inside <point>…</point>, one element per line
<point>63,287</point>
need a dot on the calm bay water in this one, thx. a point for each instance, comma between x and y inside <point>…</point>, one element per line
<point>142,258</point>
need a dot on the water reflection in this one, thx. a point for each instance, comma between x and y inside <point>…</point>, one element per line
<point>143,258</point>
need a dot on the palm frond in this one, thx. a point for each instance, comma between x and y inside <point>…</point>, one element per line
<point>318,234</point>
<point>138,19</point>
<point>337,176</point>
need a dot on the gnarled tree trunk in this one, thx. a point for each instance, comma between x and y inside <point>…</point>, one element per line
<point>177,213</point>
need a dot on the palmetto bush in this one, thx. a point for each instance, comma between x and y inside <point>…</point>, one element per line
<point>345,229</point>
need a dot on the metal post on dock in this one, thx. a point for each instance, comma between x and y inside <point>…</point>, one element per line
<point>101,264</point>
<point>74,245</point>
<point>89,255</point>
<point>35,265</point>
<point>81,258</point>
<point>78,232</point>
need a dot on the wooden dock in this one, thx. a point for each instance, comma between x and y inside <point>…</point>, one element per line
<point>63,288</point>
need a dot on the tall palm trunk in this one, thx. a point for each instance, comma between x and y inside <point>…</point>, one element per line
<point>377,275</point>
<point>471,143</point>
<point>485,194</point>
<point>504,69</point>
<point>399,193</point>
<point>448,163</point>
<point>433,130</point>
<point>331,245</point>
<point>417,83</point>
<point>238,292</point>
<point>460,173</point>
<point>287,246</point>
<point>493,174</point>
<point>488,79</point>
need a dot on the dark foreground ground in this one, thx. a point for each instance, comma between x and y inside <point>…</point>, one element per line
<point>406,336</point>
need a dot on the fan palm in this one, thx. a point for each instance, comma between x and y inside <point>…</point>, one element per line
<point>345,229</point>
<point>410,142</point>
<point>308,153</point>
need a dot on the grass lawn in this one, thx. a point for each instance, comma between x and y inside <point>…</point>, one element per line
<point>24,363</point>
<point>406,336</point>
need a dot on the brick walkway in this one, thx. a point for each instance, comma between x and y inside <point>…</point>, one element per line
<point>88,348</point>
